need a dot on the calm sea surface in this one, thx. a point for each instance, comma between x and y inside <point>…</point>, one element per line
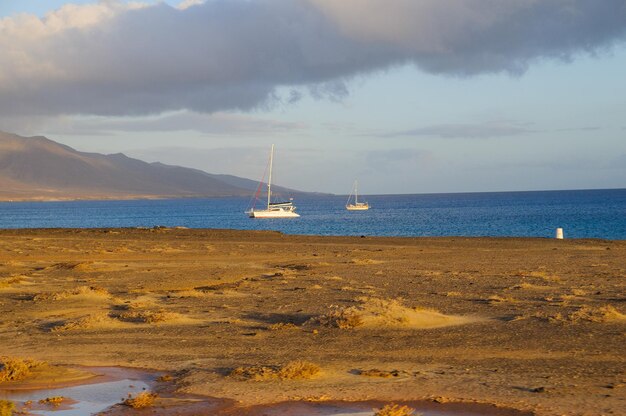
<point>582,214</point>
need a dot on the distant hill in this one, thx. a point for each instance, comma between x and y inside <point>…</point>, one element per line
<point>37,168</point>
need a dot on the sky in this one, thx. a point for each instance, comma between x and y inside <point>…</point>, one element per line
<point>407,96</point>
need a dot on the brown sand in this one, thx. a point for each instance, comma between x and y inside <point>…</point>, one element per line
<point>533,324</point>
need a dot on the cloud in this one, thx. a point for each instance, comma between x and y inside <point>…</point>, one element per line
<point>585,128</point>
<point>619,163</point>
<point>211,124</point>
<point>469,131</point>
<point>394,160</point>
<point>476,131</point>
<point>303,168</point>
<point>293,167</point>
<point>116,58</point>
<point>189,3</point>
<point>248,162</point>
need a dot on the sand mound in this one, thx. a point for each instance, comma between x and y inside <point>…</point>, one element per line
<point>8,282</point>
<point>363,262</point>
<point>6,407</point>
<point>29,374</point>
<point>383,313</point>
<point>70,266</point>
<point>395,410</point>
<point>54,401</point>
<point>530,286</point>
<point>596,314</point>
<point>188,293</point>
<point>376,373</point>
<point>81,292</point>
<point>332,277</point>
<point>497,299</point>
<point>543,275</point>
<point>16,369</point>
<point>602,314</point>
<point>151,317</point>
<point>96,321</point>
<point>141,400</point>
<point>135,305</point>
<point>294,370</point>
<point>279,326</point>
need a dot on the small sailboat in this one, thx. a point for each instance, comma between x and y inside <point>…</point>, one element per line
<point>356,206</point>
<point>284,209</point>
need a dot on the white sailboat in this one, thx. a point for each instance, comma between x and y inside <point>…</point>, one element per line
<point>356,206</point>
<point>284,209</point>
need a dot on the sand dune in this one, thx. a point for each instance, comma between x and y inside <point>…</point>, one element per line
<point>385,313</point>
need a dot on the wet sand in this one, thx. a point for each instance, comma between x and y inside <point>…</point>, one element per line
<point>532,324</point>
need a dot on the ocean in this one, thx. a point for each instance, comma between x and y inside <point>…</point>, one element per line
<point>582,214</point>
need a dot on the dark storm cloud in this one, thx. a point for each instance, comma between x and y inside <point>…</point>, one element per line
<point>116,59</point>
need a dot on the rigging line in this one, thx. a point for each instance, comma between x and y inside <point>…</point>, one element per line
<point>350,196</point>
<point>255,198</point>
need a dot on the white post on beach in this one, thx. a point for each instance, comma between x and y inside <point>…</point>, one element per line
<point>559,233</point>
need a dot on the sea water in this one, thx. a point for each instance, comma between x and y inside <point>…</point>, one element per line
<point>581,214</point>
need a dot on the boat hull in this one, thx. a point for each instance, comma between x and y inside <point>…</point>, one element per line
<point>357,207</point>
<point>278,213</point>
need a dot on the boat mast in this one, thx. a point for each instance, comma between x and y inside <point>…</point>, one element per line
<point>269,181</point>
<point>356,194</point>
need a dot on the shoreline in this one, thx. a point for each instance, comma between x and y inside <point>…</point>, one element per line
<point>342,237</point>
<point>306,193</point>
<point>116,198</point>
<point>200,303</point>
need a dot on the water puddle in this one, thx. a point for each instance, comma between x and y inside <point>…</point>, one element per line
<point>107,388</point>
<point>367,409</point>
<point>111,386</point>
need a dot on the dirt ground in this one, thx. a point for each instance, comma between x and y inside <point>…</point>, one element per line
<point>532,324</point>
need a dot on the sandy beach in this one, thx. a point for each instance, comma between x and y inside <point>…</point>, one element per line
<point>536,325</point>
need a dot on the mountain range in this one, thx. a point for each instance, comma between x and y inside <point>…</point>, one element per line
<point>37,168</point>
